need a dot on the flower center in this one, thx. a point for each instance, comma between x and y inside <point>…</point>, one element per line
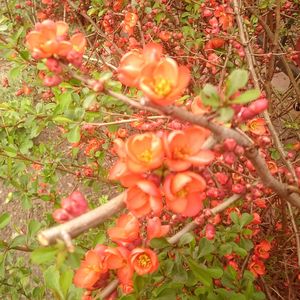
<point>180,152</point>
<point>146,156</point>
<point>162,86</point>
<point>144,261</point>
<point>182,193</point>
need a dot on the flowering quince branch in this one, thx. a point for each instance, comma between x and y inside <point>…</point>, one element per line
<point>192,225</point>
<point>251,60</point>
<point>223,133</point>
<point>176,237</point>
<point>82,223</point>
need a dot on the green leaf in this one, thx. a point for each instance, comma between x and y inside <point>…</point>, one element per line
<point>245,219</point>
<point>62,120</point>
<point>236,80</point>
<point>33,227</point>
<point>226,114</point>
<point>11,151</point>
<point>66,280</point>
<point>205,247</point>
<point>89,100</point>
<point>209,96</point>
<point>64,100</point>
<point>246,97</point>
<point>52,281</point>
<point>73,135</point>
<point>200,272</point>
<point>44,255</point>
<point>234,217</point>
<point>215,272</point>
<point>159,243</point>
<point>186,239</point>
<point>15,72</point>
<point>4,220</point>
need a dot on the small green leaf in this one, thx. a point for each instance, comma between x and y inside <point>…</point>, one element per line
<point>15,72</point>
<point>236,80</point>
<point>159,243</point>
<point>226,114</point>
<point>52,281</point>
<point>186,239</point>
<point>205,247</point>
<point>246,97</point>
<point>4,220</point>
<point>62,120</point>
<point>245,219</point>
<point>200,272</point>
<point>234,217</point>
<point>66,281</point>
<point>43,255</point>
<point>215,272</point>
<point>210,96</point>
<point>73,135</point>
<point>90,99</point>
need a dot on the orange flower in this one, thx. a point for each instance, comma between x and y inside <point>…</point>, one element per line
<point>198,108</point>
<point>133,62</point>
<point>90,270</point>
<point>184,193</point>
<point>143,198</point>
<point>155,229</point>
<point>121,173</point>
<point>129,23</point>
<point>49,38</point>
<point>257,126</point>
<point>126,229</point>
<point>164,82</point>
<point>183,148</point>
<point>116,258</point>
<point>125,275</point>
<point>144,261</point>
<point>144,152</point>
<point>44,40</point>
<point>257,267</point>
<point>272,166</point>
<point>262,249</point>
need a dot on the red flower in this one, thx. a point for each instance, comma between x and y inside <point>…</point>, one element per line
<point>257,267</point>
<point>143,198</point>
<point>144,152</point>
<point>44,40</point>
<point>164,82</point>
<point>133,62</point>
<point>144,261</point>
<point>90,270</point>
<point>184,193</point>
<point>116,258</point>
<point>155,229</point>
<point>126,229</point>
<point>184,148</point>
<point>262,249</point>
<point>257,126</point>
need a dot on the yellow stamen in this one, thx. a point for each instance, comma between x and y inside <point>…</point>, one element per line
<point>144,260</point>
<point>162,86</point>
<point>146,156</point>
<point>181,194</point>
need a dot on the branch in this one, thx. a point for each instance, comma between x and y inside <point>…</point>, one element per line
<point>192,225</point>
<point>222,133</point>
<point>82,223</point>
<point>176,237</point>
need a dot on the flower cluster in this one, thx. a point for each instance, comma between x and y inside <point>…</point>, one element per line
<point>49,40</point>
<point>143,156</point>
<point>261,251</point>
<point>71,207</point>
<point>160,78</point>
<point>93,271</point>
